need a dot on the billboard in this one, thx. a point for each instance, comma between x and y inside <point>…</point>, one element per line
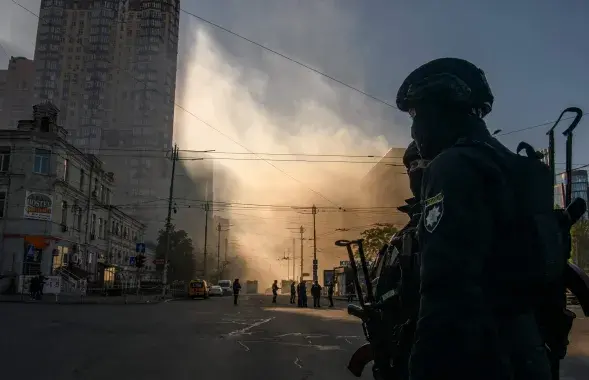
<point>38,206</point>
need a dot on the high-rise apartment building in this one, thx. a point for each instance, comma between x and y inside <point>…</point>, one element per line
<point>16,91</point>
<point>110,66</point>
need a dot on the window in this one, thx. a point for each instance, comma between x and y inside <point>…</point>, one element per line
<point>100,228</point>
<point>79,211</point>
<point>82,179</point>
<point>93,225</point>
<point>42,161</point>
<point>66,172</point>
<point>4,158</point>
<point>64,213</point>
<point>2,203</point>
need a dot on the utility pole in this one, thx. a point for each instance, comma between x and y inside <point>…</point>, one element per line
<point>206,235</point>
<point>315,263</point>
<point>294,275</point>
<point>219,250</point>
<point>302,231</point>
<point>169,221</point>
<point>226,251</point>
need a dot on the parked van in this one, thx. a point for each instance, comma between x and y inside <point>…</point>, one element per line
<point>198,288</point>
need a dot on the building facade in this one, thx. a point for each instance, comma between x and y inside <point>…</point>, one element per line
<point>56,209</point>
<point>110,66</point>
<point>16,91</point>
<point>383,188</point>
<point>579,187</point>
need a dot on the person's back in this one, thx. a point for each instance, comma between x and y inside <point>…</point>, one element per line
<point>466,236</point>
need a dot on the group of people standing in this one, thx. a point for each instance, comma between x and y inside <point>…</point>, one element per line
<point>298,294</point>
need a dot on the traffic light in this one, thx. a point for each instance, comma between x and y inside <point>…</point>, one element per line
<point>140,261</point>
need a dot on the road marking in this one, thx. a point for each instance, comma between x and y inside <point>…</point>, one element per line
<point>310,342</point>
<point>316,336</point>
<point>298,363</point>
<point>347,340</point>
<point>245,329</point>
<point>316,346</point>
<point>288,334</point>
<point>244,346</point>
<point>346,337</point>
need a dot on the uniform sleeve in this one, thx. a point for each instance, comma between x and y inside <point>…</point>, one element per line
<point>455,335</point>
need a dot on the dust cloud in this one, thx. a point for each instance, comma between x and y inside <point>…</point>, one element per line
<point>261,194</point>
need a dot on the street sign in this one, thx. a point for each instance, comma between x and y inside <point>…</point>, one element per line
<point>159,261</point>
<point>305,274</point>
<point>344,263</point>
<point>30,251</point>
<point>140,247</point>
<point>132,260</point>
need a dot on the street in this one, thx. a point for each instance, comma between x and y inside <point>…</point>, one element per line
<point>194,339</point>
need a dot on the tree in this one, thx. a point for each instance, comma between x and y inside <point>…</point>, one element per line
<point>182,265</point>
<point>375,238</point>
<point>580,243</point>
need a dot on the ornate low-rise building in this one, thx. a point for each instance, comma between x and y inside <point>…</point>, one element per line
<point>55,204</point>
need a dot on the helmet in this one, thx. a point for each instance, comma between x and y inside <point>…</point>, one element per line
<point>411,154</point>
<point>450,81</point>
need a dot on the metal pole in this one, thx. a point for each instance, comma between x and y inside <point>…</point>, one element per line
<point>219,250</point>
<point>315,263</point>
<point>294,275</point>
<point>225,250</point>
<point>302,230</point>
<point>169,221</point>
<point>206,235</point>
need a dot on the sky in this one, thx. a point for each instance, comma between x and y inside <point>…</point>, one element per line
<point>255,100</point>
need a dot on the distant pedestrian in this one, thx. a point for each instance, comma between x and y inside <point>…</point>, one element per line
<point>293,292</point>
<point>303,294</point>
<point>316,293</point>
<point>236,289</point>
<point>330,293</point>
<point>299,297</point>
<point>350,292</point>
<point>274,291</point>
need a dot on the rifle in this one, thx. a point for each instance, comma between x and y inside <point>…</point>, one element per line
<point>389,341</point>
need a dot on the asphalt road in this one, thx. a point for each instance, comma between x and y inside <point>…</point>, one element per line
<point>200,339</point>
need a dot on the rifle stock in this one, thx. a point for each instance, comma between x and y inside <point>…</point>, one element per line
<point>360,359</point>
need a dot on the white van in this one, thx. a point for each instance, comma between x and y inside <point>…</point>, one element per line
<point>227,286</point>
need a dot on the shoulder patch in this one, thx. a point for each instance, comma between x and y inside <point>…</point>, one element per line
<point>433,211</point>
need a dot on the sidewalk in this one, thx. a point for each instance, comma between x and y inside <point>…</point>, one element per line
<point>71,299</point>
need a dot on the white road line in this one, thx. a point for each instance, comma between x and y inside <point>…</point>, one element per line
<point>245,329</point>
<point>316,336</point>
<point>347,340</point>
<point>346,337</point>
<point>298,363</point>
<point>288,334</point>
<point>244,346</point>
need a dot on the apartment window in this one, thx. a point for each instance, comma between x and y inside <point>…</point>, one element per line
<point>64,213</point>
<point>2,203</point>
<point>107,197</point>
<point>100,229</point>
<point>93,225</point>
<point>102,194</point>
<point>95,191</point>
<point>42,161</point>
<point>66,171</point>
<point>4,158</point>
<point>82,179</point>
<point>79,211</point>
